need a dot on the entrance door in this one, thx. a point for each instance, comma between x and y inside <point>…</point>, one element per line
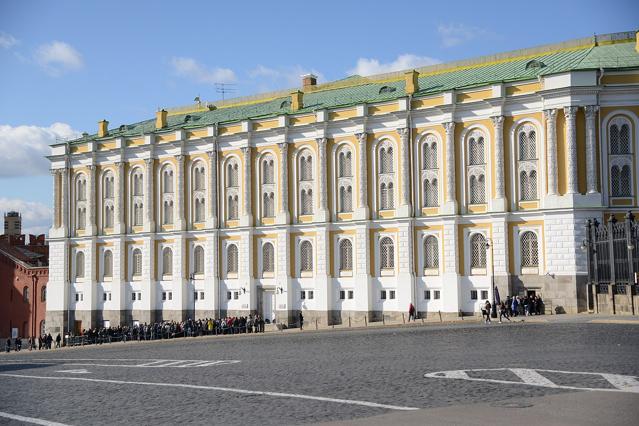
<point>268,305</point>
<point>531,293</point>
<point>78,328</point>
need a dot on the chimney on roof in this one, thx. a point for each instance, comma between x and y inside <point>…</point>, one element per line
<point>309,80</point>
<point>103,128</point>
<point>160,119</point>
<point>297,100</point>
<point>412,85</point>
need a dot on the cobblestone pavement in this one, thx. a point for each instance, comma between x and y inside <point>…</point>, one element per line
<point>308,377</point>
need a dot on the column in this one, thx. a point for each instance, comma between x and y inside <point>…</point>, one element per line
<point>57,195</point>
<point>283,216</point>
<point>322,211</point>
<point>64,202</point>
<point>179,194</point>
<point>149,225</point>
<point>247,216</point>
<point>118,219</point>
<point>551,149</point>
<point>499,204</point>
<point>449,189</point>
<point>591,148</point>
<point>405,204</point>
<point>91,201</point>
<point>570,113</point>
<point>362,178</point>
<point>212,192</point>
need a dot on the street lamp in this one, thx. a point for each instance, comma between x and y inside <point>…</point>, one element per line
<point>192,280</point>
<point>489,245</point>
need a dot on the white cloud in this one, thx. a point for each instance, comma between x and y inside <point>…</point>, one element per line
<point>36,216</point>
<point>7,41</point>
<point>366,66</point>
<point>281,78</point>
<point>454,34</point>
<point>58,58</point>
<point>190,68</point>
<point>22,148</point>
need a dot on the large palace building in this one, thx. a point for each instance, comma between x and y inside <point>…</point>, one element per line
<point>353,198</point>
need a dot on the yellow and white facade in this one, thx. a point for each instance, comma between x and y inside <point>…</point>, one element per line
<point>350,211</point>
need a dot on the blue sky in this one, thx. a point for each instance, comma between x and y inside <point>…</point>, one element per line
<point>65,65</point>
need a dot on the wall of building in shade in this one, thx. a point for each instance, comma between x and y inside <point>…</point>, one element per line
<point>24,276</point>
<point>357,211</point>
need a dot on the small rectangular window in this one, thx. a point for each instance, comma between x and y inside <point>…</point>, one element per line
<point>133,296</point>
<point>201,295</point>
<point>109,296</point>
<point>383,295</point>
<point>195,295</point>
<point>350,294</point>
<point>170,295</point>
<point>311,294</point>
<point>140,296</point>
<point>228,295</point>
<point>484,294</point>
<point>473,295</point>
<point>164,295</point>
<point>342,294</point>
<point>104,297</point>
<point>436,294</point>
<point>236,295</point>
<point>303,295</point>
<point>426,294</point>
<point>391,294</point>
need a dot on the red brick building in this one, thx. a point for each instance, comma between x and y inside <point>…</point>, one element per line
<point>24,274</point>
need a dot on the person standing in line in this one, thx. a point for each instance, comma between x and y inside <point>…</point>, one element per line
<point>301,317</point>
<point>411,312</point>
<point>57,341</point>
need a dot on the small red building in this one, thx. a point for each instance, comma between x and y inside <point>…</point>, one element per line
<point>24,274</point>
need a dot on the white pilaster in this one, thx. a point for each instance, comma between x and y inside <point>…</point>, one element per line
<point>362,211</point>
<point>180,223</point>
<point>551,150</point>
<point>247,216</point>
<point>149,224</point>
<point>91,201</point>
<point>363,269</point>
<point>118,220</point>
<point>406,274</point>
<point>405,207</point>
<point>451,291</point>
<point>570,113</point>
<point>322,212</point>
<point>450,206</point>
<point>499,202</point>
<point>323,289</point>
<point>65,202</point>
<point>212,188</point>
<point>591,148</point>
<point>283,216</point>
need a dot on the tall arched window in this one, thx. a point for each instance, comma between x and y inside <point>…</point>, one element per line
<point>478,249</point>
<point>527,162</point>
<point>268,170</point>
<point>80,201</point>
<point>79,265</point>
<point>529,249</point>
<point>306,256</point>
<point>232,189</point>
<point>198,192</point>
<point>167,261</point>
<point>107,267</point>
<point>268,258</point>
<point>345,255</point>
<point>137,197</point>
<point>25,294</point>
<point>345,163</point>
<point>345,199</point>
<point>344,182</point>
<point>231,259</point>
<point>306,182</point>
<point>108,185</point>
<point>137,262</point>
<point>429,172</point>
<point>620,157</point>
<point>198,260</point>
<point>431,252</point>
<point>386,175</point>
<point>267,184</point>
<point>167,213</point>
<point>306,201</point>
<point>167,195</point>
<point>476,167</point>
<point>268,204</point>
<point>387,253</point>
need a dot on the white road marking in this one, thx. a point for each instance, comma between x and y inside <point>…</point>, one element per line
<point>531,377</point>
<point>32,420</point>
<point>78,371</point>
<point>220,389</point>
<point>154,363</point>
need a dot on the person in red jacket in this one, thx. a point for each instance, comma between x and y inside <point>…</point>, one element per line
<point>411,312</point>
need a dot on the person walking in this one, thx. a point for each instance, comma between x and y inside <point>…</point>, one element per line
<point>58,338</point>
<point>486,312</point>
<point>411,312</point>
<point>503,312</point>
<point>301,317</point>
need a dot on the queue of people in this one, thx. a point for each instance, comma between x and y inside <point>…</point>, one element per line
<point>513,307</point>
<point>45,341</point>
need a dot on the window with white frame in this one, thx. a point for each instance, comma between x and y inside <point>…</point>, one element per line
<point>529,250</point>
<point>267,185</point>
<point>386,175</point>
<point>386,253</point>
<point>137,196</point>
<point>232,189</point>
<point>268,258</point>
<point>305,182</point>
<point>527,162</point>
<point>107,264</point>
<point>198,260</point>
<point>232,256</point>
<point>198,192</point>
<point>108,185</point>
<point>268,204</point>
<point>478,251</point>
<point>167,261</point>
<point>306,256</point>
<point>137,262</point>
<point>345,255</point>
<point>431,253</point>
<point>429,171</point>
<point>344,179</point>
<point>620,160</point>
<point>476,167</point>
<point>80,201</point>
<point>79,265</point>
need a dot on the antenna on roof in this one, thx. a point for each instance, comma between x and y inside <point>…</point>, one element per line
<point>224,88</point>
<point>198,100</point>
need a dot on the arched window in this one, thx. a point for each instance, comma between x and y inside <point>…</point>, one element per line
<point>431,252</point>
<point>268,258</point>
<point>429,172</point>
<point>343,184</point>
<point>385,175</point>
<point>268,201</point>
<point>199,178</point>
<point>386,159</point>
<point>476,150</point>
<point>107,200</point>
<point>138,181</point>
<point>306,256</point>
<point>345,255</point>
<point>137,198</point>
<point>268,170</point>
<point>198,260</point>
<point>429,153</point>
<point>387,199</point>
<point>108,216</point>
<point>431,193</point>
<point>167,181</point>
<point>107,267</point>
<point>138,211</point>
<point>528,185</point>
<point>232,175</point>
<point>527,163</point>
<point>477,190</point>
<point>345,199</point>
<point>79,265</point>
<point>306,165</point>
<point>232,208</point>
<point>231,259</point>
<point>307,201</point>
<point>478,248</point>
<point>43,294</point>
<point>82,217</point>
<point>387,253</point>
<point>137,262</point>
<point>620,157</point>
<point>199,210</point>
<point>529,249</point>
<point>167,214</point>
<point>344,166</point>
<point>167,261</point>
<point>476,167</point>
<point>25,294</point>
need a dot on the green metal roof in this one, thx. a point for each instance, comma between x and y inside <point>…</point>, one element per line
<point>621,55</point>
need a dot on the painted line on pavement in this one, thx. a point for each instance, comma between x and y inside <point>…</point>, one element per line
<point>220,389</point>
<point>159,363</point>
<point>32,420</point>
<point>602,321</point>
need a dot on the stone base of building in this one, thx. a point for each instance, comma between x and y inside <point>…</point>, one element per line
<point>560,294</point>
